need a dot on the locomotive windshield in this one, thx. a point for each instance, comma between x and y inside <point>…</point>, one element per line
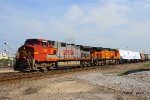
<point>32,42</point>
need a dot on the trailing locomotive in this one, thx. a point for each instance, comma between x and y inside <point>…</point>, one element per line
<point>40,54</point>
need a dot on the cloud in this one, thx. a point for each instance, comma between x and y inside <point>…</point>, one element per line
<point>74,14</point>
<point>108,23</point>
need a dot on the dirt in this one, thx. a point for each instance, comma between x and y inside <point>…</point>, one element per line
<point>67,87</point>
<point>6,69</point>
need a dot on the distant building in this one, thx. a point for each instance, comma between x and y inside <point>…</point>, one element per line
<point>3,55</point>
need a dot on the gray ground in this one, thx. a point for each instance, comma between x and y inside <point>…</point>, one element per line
<point>88,85</point>
<point>7,69</point>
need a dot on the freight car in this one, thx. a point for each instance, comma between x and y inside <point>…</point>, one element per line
<point>40,54</point>
<point>145,57</point>
<point>148,57</point>
<point>129,56</point>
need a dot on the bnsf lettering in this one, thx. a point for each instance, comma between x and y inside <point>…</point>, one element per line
<point>68,52</point>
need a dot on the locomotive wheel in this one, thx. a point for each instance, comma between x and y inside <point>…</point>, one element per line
<point>55,65</point>
<point>96,63</point>
<point>43,67</point>
<point>82,64</point>
<point>48,68</point>
<point>89,64</point>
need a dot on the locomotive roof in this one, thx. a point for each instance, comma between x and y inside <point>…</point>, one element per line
<point>82,47</point>
<point>37,39</point>
<point>106,48</point>
<point>96,48</point>
<point>114,49</point>
<point>70,44</point>
<point>85,47</point>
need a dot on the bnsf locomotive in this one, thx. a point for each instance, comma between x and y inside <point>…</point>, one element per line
<point>40,54</point>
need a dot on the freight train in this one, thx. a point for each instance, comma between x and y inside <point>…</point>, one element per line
<point>40,54</point>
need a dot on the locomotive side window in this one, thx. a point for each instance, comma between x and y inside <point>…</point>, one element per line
<point>44,44</point>
<point>63,44</point>
<point>32,42</point>
<point>53,42</point>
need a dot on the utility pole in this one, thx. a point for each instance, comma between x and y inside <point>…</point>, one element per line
<point>8,51</point>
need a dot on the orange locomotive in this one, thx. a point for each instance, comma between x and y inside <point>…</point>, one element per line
<point>40,54</point>
<point>104,56</point>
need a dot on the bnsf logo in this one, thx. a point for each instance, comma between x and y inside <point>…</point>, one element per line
<point>68,52</point>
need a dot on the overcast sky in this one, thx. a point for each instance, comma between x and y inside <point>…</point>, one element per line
<point>121,24</point>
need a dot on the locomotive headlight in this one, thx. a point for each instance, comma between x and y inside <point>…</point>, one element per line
<point>36,52</point>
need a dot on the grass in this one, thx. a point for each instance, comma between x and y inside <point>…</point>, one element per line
<point>121,74</point>
<point>132,71</point>
<point>147,65</point>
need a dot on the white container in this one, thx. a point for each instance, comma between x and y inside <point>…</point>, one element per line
<point>129,54</point>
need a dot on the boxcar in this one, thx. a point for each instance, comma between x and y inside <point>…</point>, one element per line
<point>142,57</point>
<point>148,57</point>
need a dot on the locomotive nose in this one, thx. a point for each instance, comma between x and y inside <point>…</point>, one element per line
<point>24,58</point>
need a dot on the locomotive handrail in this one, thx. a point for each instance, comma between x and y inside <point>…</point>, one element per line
<point>31,58</point>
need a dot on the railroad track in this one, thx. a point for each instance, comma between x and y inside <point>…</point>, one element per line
<point>20,75</point>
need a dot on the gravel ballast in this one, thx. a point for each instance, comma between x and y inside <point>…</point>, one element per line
<point>134,84</point>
